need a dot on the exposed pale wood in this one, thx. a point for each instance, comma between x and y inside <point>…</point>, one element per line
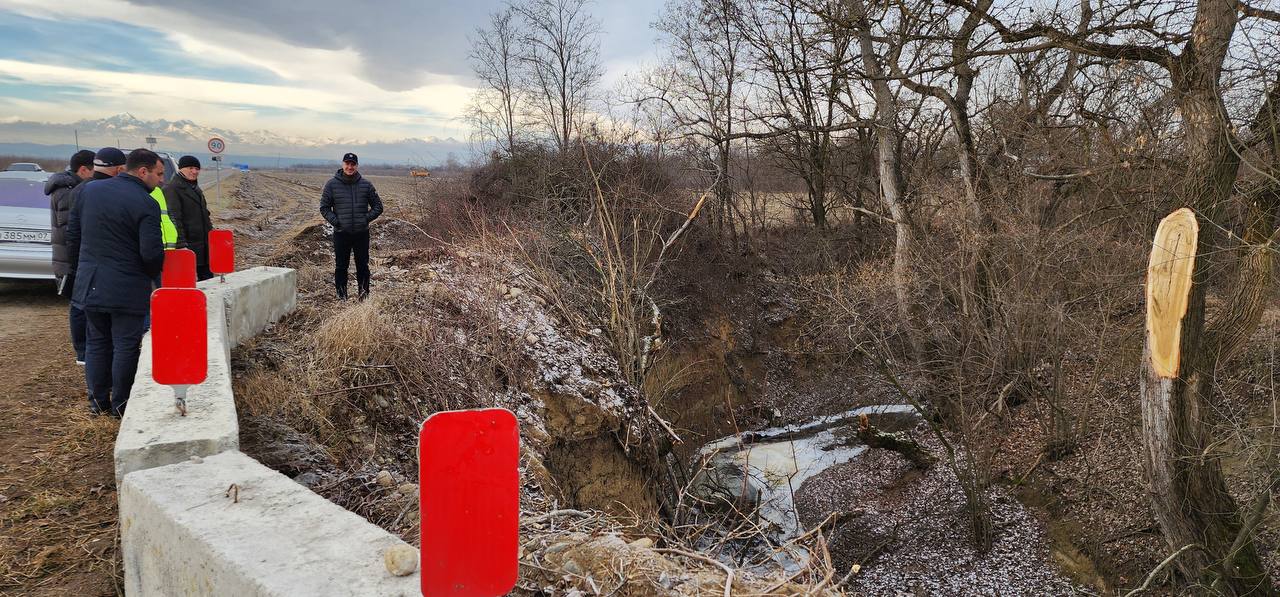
<point>1173,258</point>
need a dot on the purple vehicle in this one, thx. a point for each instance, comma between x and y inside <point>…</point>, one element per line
<point>25,230</point>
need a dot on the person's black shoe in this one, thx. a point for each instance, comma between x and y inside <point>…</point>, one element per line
<point>94,410</point>
<point>364,294</point>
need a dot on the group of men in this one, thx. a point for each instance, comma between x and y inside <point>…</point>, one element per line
<point>113,218</point>
<point>112,222</point>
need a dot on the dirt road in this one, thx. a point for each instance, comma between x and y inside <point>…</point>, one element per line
<point>57,491</point>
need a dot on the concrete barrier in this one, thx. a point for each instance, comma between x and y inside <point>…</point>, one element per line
<point>152,433</point>
<point>269,537</point>
<point>181,533</point>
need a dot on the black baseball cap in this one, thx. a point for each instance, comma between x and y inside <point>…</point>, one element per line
<point>350,157</point>
<point>108,157</point>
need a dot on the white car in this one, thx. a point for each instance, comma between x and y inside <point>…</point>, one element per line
<point>38,174</point>
<point>25,229</point>
<point>23,167</point>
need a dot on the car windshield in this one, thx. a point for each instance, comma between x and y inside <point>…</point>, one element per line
<point>17,192</point>
<point>23,167</point>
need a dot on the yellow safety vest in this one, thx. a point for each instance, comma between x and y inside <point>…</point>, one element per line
<point>168,232</point>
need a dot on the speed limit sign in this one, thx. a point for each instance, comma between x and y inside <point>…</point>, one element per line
<point>216,145</point>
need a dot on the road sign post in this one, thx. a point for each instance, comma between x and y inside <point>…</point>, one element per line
<point>179,341</point>
<point>217,146</point>
<point>222,253</point>
<point>469,502</point>
<point>179,269</point>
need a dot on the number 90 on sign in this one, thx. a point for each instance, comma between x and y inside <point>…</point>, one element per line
<point>217,145</point>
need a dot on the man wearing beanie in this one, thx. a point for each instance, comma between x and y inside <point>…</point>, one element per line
<point>58,188</point>
<point>190,212</point>
<point>349,202</point>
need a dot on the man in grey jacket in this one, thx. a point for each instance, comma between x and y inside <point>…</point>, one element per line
<point>60,188</point>
<point>349,202</point>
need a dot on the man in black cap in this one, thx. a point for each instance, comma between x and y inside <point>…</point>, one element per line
<point>190,212</point>
<point>349,202</point>
<point>107,163</point>
<point>121,253</point>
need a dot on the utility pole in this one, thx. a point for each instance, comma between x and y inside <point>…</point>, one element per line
<point>77,132</point>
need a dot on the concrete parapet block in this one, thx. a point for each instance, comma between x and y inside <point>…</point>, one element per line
<point>254,299</point>
<point>154,434</point>
<point>182,534</point>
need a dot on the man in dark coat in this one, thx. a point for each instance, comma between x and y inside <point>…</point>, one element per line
<point>59,189</point>
<point>121,252</point>
<point>190,212</point>
<point>349,202</point>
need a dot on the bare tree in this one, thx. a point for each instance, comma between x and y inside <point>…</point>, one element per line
<point>495,58</point>
<point>701,84</point>
<point>1188,492</point>
<point>888,142</point>
<point>803,69</point>
<point>561,56</point>
<point>920,26</point>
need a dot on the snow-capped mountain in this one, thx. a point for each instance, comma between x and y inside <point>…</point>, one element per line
<point>127,130</point>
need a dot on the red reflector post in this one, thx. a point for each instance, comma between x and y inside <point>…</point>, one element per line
<point>222,252</point>
<point>179,336</point>
<point>470,502</point>
<point>179,269</point>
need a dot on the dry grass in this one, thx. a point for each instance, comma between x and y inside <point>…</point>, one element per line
<point>57,527</point>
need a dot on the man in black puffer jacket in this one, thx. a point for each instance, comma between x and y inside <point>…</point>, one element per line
<point>349,202</point>
<point>59,188</point>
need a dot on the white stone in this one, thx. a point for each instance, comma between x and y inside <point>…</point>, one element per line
<point>401,560</point>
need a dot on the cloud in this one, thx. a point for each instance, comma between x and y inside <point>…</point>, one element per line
<point>393,65</point>
<point>181,97</point>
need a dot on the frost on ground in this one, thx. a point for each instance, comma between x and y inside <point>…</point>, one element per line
<point>912,534</point>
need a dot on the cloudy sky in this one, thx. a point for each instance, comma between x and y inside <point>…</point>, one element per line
<point>386,69</point>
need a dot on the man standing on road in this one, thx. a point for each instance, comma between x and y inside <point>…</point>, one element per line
<point>190,212</point>
<point>349,202</point>
<point>120,254</point>
<point>59,189</point>
<point>107,163</point>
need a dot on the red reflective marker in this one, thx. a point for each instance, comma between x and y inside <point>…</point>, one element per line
<point>179,269</point>
<point>470,502</point>
<point>179,340</point>
<point>222,252</point>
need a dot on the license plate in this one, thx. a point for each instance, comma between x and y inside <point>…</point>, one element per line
<point>25,236</point>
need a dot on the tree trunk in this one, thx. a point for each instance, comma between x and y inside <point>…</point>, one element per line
<point>890,174</point>
<point>1189,496</point>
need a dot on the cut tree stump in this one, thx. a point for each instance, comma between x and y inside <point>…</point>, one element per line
<point>1189,496</point>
